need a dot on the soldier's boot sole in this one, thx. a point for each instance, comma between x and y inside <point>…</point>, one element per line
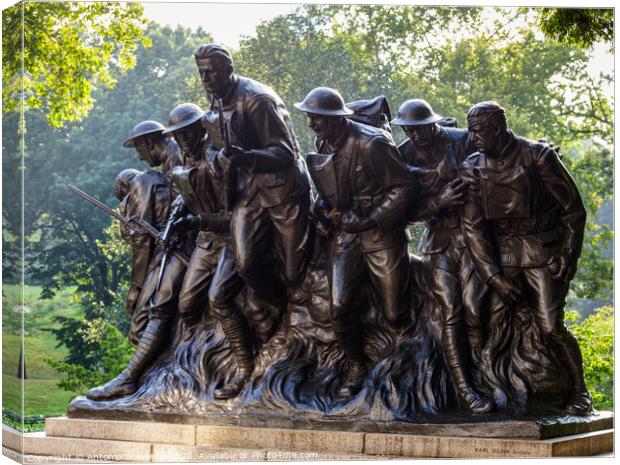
<point>112,390</point>
<point>581,405</point>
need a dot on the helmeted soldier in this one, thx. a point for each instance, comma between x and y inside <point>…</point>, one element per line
<point>524,223</point>
<point>363,192</point>
<point>155,150</point>
<point>147,196</point>
<point>269,192</point>
<point>434,154</point>
<point>153,147</point>
<point>211,273</point>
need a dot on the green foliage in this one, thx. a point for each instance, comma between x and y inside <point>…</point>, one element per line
<point>596,339</point>
<point>69,49</point>
<point>581,27</point>
<point>64,235</point>
<point>107,353</point>
<point>591,164</point>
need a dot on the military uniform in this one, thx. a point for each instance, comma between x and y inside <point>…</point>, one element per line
<point>172,158</point>
<point>211,274</point>
<point>201,188</point>
<point>524,210</point>
<point>149,198</point>
<point>452,279</point>
<point>371,181</point>
<point>268,206</point>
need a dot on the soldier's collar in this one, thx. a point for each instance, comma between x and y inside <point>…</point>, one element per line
<point>233,88</point>
<point>343,137</point>
<point>511,140</point>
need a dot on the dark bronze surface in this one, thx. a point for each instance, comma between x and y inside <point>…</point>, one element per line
<point>292,313</point>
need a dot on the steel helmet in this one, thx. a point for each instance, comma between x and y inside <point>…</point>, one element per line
<point>182,116</point>
<point>142,129</point>
<point>415,112</point>
<point>121,183</point>
<point>324,101</point>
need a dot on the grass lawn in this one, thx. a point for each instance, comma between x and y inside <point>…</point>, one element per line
<point>42,396</point>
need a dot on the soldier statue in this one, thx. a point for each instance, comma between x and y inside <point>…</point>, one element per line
<point>435,150</point>
<point>524,225</point>
<point>211,274</point>
<point>268,189</point>
<point>148,196</point>
<point>155,148</point>
<point>363,197</point>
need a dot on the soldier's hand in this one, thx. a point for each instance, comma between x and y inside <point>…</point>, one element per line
<point>559,268</point>
<point>473,179</point>
<point>351,223</point>
<point>320,218</point>
<point>233,158</point>
<point>507,291</point>
<point>185,223</point>
<point>444,170</point>
<point>453,195</point>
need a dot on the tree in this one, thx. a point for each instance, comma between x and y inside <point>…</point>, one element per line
<point>69,50</point>
<point>579,27</point>
<point>68,241</point>
<point>596,340</point>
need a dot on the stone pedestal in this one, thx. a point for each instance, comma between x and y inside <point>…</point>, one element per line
<point>72,439</point>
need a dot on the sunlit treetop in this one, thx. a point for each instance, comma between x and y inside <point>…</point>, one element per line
<point>580,27</point>
<point>69,49</point>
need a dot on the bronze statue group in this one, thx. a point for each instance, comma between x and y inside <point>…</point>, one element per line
<point>284,281</point>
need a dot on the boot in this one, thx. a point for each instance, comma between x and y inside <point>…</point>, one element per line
<point>186,327</point>
<point>236,331</point>
<point>581,404</point>
<point>471,400</point>
<point>353,378</point>
<point>150,345</point>
<point>570,354</point>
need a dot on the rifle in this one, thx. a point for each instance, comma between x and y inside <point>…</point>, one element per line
<point>225,134</point>
<point>165,238</point>
<point>136,224</point>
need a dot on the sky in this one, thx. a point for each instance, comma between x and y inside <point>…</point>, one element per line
<point>230,22</point>
<point>227,22</point>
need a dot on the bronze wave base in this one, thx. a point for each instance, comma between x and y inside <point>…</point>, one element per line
<point>297,372</point>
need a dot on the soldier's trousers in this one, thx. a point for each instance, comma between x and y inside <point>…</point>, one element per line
<point>258,232</point>
<point>388,271</point>
<point>459,293</point>
<point>194,295</point>
<point>159,304</point>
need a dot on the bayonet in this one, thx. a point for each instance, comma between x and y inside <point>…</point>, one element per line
<point>136,224</point>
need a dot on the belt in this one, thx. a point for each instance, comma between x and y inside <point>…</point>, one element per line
<point>524,226</point>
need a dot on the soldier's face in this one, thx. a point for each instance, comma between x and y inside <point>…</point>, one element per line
<point>484,135</point>
<point>145,148</point>
<point>215,76</point>
<point>421,135</point>
<point>188,138</point>
<point>322,126</point>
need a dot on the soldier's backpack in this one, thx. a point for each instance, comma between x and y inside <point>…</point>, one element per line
<point>374,112</point>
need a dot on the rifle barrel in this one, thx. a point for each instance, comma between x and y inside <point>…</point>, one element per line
<point>145,225</point>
